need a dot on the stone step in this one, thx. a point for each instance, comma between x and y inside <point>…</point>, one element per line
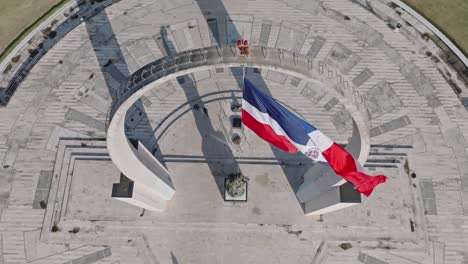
<point>81,255</point>
<point>68,151</point>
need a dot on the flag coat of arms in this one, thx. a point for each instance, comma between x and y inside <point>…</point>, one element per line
<point>275,124</point>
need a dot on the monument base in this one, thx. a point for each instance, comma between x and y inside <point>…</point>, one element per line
<point>229,198</point>
<point>338,197</point>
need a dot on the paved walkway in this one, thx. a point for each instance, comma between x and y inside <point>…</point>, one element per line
<point>52,131</point>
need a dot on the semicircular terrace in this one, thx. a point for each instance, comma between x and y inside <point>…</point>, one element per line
<point>152,184</point>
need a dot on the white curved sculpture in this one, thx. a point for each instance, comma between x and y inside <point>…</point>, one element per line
<point>152,184</point>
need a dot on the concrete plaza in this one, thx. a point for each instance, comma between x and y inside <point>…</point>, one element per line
<point>56,176</point>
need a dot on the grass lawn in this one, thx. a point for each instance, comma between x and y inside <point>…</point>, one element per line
<point>16,16</point>
<point>450,16</point>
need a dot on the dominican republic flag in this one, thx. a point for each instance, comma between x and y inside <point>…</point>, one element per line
<point>275,124</point>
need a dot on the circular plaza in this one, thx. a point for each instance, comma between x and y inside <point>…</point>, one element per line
<point>119,132</point>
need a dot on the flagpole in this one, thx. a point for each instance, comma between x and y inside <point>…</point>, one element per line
<point>243,89</point>
<point>243,73</point>
<point>243,80</point>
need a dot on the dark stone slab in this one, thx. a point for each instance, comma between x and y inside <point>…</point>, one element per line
<point>362,257</point>
<point>366,259</point>
<point>430,207</point>
<point>339,54</point>
<point>331,103</point>
<point>395,124</point>
<point>40,199</point>
<point>45,177</point>
<point>427,189</point>
<point>349,64</point>
<point>4,195</point>
<point>316,47</point>
<point>428,196</point>
<point>265,33</point>
<point>343,121</point>
<point>342,58</point>
<point>78,116</point>
<point>375,132</point>
<point>92,258</point>
<point>382,99</point>
<point>314,92</point>
<point>362,77</point>
<point>295,81</point>
<point>42,191</point>
<point>391,125</point>
<point>372,260</point>
<point>464,189</point>
<point>214,31</point>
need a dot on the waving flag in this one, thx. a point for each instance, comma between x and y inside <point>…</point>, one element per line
<point>275,124</point>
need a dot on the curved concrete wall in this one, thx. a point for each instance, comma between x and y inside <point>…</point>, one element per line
<point>124,155</point>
